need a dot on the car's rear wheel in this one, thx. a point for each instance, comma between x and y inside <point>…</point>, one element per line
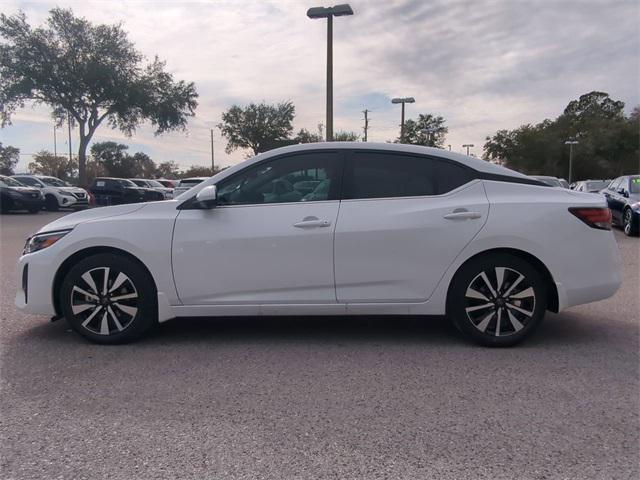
<point>627,223</point>
<point>51,203</point>
<point>497,299</point>
<point>109,298</point>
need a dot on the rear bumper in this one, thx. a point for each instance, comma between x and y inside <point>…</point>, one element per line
<point>592,277</point>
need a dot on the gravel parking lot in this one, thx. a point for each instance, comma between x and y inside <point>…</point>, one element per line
<point>314,398</point>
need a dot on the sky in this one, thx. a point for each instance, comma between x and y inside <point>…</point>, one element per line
<point>483,65</point>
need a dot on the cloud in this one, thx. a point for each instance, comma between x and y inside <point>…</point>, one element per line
<point>482,65</point>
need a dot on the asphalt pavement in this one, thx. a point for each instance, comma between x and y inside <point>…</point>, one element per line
<point>316,398</point>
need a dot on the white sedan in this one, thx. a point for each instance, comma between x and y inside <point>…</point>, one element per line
<point>330,229</point>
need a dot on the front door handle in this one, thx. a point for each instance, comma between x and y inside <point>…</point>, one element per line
<point>463,215</point>
<point>312,222</point>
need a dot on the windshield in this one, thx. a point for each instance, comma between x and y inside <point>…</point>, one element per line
<point>11,182</point>
<point>634,184</point>
<point>126,183</point>
<point>596,185</point>
<point>53,182</point>
<point>155,183</point>
<point>190,183</point>
<point>551,181</point>
<point>140,183</point>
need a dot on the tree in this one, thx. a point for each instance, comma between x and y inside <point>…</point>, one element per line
<point>117,162</point>
<point>46,163</point>
<point>9,157</point>
<point>427,130</point>
<point>258,127</point>
<point>168,169</point>
<point>608,141</point>
<point>343,136</point>
<point>305,136</point>
<point>89,73</point>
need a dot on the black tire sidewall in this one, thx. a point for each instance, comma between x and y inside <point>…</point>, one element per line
<point>51,203</point>
<point>462,279</point>
<point>633,227</point>
<point>146,317</point>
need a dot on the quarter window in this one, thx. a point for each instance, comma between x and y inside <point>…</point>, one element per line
<point>387,175</point>
<point>301,177</point>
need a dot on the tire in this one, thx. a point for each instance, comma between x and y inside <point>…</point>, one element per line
<point>479,308</point>
<point>51,203</point>
<point>121,316</point>
<point>630,230</point>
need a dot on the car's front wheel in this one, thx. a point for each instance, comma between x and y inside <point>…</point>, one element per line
<point>627,223</point>
<point>109,298</point>
<point>497,299</point>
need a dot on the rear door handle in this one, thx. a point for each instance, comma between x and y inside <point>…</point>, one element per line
<point>312,222</point>
<point>463,215</point>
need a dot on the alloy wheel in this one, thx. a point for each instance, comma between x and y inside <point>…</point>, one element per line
<point>105,301</point>
<point>500,302</point>
<point>627,223</point>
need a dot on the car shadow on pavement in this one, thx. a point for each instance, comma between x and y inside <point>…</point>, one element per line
<point>556,330</point>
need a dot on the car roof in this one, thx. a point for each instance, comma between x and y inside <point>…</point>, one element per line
<point>472,162</point>
<point>195,178</point>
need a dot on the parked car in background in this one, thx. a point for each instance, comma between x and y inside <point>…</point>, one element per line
<point>623,198</point>
<point>187,183</point>
<point>16,196</point>
<point>392,229</point>
<point>57,193</point>
<point>590,186</point>
<point>168,183</point>
<point>155,185</point>
<point>564,183</point>
<point>551,181</point>
<point>116,191</point>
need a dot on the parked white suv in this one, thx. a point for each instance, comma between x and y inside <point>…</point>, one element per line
<point>57,194</point>
<point>389,229</point>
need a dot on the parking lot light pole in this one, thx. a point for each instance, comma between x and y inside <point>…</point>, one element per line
<point>468,146</point>
<point>402,101</point>
<point>329,13</point>
<point>571,143</point>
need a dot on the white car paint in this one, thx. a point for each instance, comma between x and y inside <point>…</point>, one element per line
<point>373,256</point>
<point>66,196</point>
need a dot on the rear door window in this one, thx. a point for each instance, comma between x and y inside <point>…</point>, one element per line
<point>391,175</point>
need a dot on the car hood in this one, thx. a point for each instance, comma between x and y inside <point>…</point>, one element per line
<point>73,219</point>
<point>72,189</point>
<point>23,189</point>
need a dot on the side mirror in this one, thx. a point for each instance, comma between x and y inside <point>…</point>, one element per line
<point>208,196</point>
<point>623,192</point>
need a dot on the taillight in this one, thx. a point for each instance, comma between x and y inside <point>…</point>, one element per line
<point>595,217</point>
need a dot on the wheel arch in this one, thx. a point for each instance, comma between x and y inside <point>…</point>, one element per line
<point>552,292</point>
<point>79,255</point>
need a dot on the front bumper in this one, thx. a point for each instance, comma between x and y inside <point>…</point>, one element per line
<point>35,294</point>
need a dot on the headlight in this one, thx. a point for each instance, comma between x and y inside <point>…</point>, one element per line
<point>43,240</point>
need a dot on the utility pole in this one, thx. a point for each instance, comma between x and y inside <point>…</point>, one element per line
<point>366,123</point>
<point>213,163</point>
<point>55,143</point>
<point>571,143</point>
<point>69,123</point>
